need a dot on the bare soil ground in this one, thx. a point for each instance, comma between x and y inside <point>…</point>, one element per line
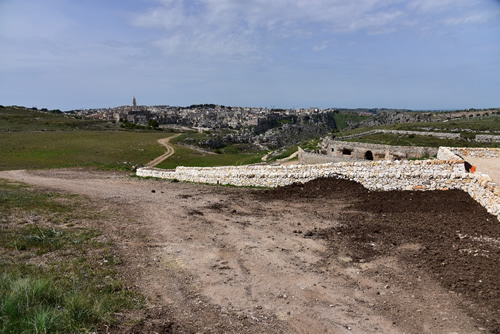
<point>325,257</point>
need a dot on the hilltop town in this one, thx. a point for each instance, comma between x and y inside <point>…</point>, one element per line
<point>212,116</point>
<point>206,115</point>
<point>264,128</point>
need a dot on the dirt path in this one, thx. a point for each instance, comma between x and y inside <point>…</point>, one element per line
<point>170,151</point>
<point>287,159</point>
<point>294,260</point>
<point>290,157</point>
<point>490,166</point>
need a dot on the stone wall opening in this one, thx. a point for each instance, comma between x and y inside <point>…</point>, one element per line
<point>346,151</point>
<point>369,155</point>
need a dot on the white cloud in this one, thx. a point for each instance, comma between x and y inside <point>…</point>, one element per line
<point>453,12</point>
<point>232,29</point>
<point>208,27</point>
<point>205,43</point>
<point>163,17</point>
<point>481,17</point>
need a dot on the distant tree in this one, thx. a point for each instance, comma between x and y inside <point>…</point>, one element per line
<point>200,106</point>
<point>153,123</point>
<point>467,136</point>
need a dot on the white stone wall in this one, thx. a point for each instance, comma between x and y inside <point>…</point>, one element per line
<point>335,148</point>
<point>475,152</point>
<point>379,175</point>
<point>446,153</point>
<point>442,135</point>
<point>488,138</point>
<point>317,158</point>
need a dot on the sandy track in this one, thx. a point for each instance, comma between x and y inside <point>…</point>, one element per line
<point>490,166</point>
<point>217,259</point>
<point>170,151</point>
<point>284,160</point>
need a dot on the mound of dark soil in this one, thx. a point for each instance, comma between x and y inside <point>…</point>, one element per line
<point>454,239</point>
<point>318,188</point>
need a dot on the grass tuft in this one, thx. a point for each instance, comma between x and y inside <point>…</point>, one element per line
<point>55,279</point>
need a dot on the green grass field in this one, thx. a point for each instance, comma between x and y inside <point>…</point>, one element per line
<point>75,289</point>
<point>287,151</point>
<point>33,140</point>
<point>191,158</point>
<point>482,125</point>
<point>343,119</point>
<point>24,119</point>
<point>411,140</point>
<point>54,149</point>
<point>30,139</point>
<point>477,125</point>
<point>185,156</point>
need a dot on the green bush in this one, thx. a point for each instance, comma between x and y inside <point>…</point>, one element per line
<point>467,135</point>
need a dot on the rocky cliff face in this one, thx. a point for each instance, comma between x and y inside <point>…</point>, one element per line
<point>295,130</point>
<point>275,131</point>
<point>393,117</point>
<point>291,134</point>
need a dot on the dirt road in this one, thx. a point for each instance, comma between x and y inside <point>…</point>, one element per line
<point>170,151</point>
<point>326,257</point>
<point>490,166</point>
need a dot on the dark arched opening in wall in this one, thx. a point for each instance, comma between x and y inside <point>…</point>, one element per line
<point>368,155</point>
<point>346,151</point>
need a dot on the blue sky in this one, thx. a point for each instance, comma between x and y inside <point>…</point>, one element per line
<point>419,54</point>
